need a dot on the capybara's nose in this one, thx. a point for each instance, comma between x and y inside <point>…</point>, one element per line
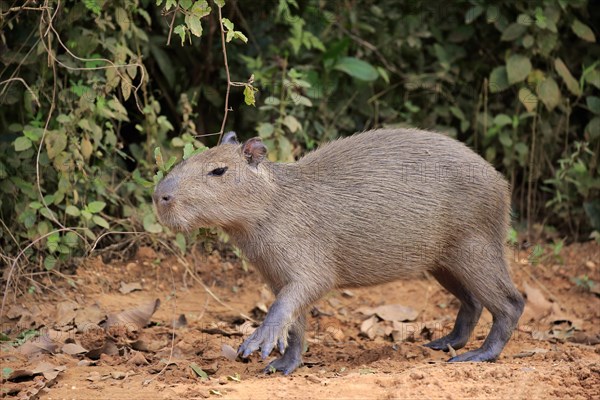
<point>163,194</point>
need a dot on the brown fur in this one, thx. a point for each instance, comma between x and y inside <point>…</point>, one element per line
<point>364,210</point>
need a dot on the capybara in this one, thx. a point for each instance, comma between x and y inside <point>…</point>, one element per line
<point>363,210</point>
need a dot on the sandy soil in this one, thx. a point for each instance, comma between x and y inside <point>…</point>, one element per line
<point>555,353</point>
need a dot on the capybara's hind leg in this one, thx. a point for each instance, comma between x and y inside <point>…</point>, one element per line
<point>498,294</point>
<point>468,314</point>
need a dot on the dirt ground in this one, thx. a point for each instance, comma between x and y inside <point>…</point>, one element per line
<point>80,353</point>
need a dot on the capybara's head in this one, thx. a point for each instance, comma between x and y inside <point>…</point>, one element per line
<point>218,187</point>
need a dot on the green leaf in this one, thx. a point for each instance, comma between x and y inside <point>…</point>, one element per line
<point>356,68</point>
<point>220,3</point>
<point>150,224</point>
<point>194,25</point>
<point>593,78</point>
<point>50,262</point>
<point>505,139</point>
<point>159,158</point>
<point>200,9</point>
<point>593,128</point>
<point>265,130</point>
<point>249,91</point>
<point>549,93</point>
<point>170,163</point>
<point>565,74</point>
<point>72,210</point>
<point>122,19</point>
<point>180,242</point>
<point>22,143</point>
<point>498,80</point>
<point>528,99</point>
<point>502,120</point>
<point>98,220</point>
<point>96,206</point>
<point>512,32</point>
<point>188,149</point>
<point>292,123</point>
<point>593,103</point>
<point>473,13</point>
<point>180,30</point>
<point>583,31</point>
<point>6,371</point>
<point>203,375</point>
<point>517,68</point>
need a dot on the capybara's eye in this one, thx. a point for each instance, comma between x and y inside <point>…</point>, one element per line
<point>217,171</point>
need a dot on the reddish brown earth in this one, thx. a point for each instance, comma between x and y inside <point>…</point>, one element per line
<point>554,354</point>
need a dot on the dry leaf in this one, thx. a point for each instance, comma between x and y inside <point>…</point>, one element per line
<point>73,349</point>
<point>42,344</point>
<point>536,307</point>
<point>391,312</point>
<point>89,317</point>
<point>65,313</point>
<point>133,319</point>
<point>228,352</point>
<point>130,287</point>
<point>180,322</point>
<point>529,353</point>
<point>138,358</point>
<point>369,327</point>
<point>16,311</point>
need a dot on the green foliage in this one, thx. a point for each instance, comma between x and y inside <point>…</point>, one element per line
<point>517,81</point>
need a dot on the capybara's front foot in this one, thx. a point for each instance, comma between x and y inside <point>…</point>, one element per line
<point>287,363</point>
<point>264,338</point>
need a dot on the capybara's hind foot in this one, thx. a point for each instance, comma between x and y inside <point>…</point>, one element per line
<point>443,342</point>
<point>478,355</point>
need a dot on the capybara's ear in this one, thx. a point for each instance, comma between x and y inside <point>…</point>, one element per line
<point>254,151</point>
<point>230,138</point>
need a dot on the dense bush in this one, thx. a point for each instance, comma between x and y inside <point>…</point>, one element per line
<point>90,89</point>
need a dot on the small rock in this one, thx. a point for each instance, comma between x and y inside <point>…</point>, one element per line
<point>590,265</point>
<point>118,375</point>
<point>416,375</point>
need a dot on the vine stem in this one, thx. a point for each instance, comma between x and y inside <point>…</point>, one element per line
<point>227,73</point>
<point>172,23</point>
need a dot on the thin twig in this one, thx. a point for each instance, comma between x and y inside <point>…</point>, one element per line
<point>226,72</point>
<point>5,82</point>
<point>172,23</point>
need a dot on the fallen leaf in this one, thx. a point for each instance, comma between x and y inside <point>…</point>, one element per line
<point>536,307</point>
<point>391,312</point>
<point>89,317</point>
<point>228,352</point>
<point>180,322</point>
<point>47,343</point>
<point>584,338</point>
<point>138,358</point>
<point>16,311</point>
<point>19,374</point>
<point>65,313</point>
<point>109,348</point>
<point>73,349</point>
<point>369,327</point>
<point>133,319</point>
<point>130,287</point>
<point>529,353</point>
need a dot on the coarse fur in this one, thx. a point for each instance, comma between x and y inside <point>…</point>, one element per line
<point>367,209</point>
